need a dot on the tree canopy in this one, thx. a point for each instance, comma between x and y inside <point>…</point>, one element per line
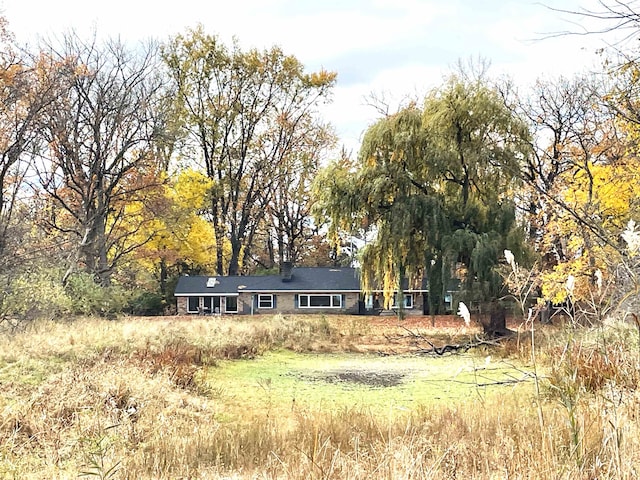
<point>434,188</point>
<point>247,115</point>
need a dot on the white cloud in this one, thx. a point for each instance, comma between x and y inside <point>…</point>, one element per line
<point>398,48</point>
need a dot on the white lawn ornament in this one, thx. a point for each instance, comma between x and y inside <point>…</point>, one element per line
<point>463,311</point>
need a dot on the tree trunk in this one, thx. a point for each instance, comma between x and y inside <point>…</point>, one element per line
<point>270,252</point>
<point>400,294</point>
<point>219,233</point>
<point>103,272</point>
<point>163,278</point>
<point>437,290</point>
<point>234,263</point>
<point>545,313</point>
<point>496,323</point>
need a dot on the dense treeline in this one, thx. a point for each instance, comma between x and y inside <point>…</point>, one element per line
<point>122,167</point>
<point>530,198</point>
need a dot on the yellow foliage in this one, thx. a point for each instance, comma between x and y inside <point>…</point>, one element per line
<point>190,189</point>
<point>322,77</point>
<point>181,233</point>
<point>554,282</point>
<point>607,192</point>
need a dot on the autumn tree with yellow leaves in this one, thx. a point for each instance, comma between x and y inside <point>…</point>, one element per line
<point>183,241</point>
<point>244,115</point>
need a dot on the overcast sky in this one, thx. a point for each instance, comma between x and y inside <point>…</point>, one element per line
<point>393,48</point>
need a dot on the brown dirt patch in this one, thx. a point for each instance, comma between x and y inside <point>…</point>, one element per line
<point>361,377</point>
<point>388,335</point>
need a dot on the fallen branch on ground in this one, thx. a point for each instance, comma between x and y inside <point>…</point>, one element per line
<point>452,348</point>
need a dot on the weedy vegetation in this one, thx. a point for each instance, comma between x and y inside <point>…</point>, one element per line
<point>314,397</point>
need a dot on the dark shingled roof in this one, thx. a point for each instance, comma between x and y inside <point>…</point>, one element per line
<point>197,285</point>
<point>303,279</point>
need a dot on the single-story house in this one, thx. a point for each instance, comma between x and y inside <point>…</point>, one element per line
<point>296,290</point>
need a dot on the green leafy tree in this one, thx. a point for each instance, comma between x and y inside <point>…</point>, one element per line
<point>476,148</point>
<point>435,187</point>
<point>385,191</point>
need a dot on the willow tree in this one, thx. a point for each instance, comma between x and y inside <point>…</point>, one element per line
<point>388,192</point>
<point>435,188</point>
<point>243,113</point>
<point>476,145</point>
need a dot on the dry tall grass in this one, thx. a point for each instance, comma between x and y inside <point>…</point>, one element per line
<point>127,400</point>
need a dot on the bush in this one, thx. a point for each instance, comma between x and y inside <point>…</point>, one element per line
<point>33,294</point>
<point>147,303</point>
<point>89,298</point>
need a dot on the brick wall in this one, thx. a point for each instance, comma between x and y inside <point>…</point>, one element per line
<point>182,305</point>
<point>285,303</point>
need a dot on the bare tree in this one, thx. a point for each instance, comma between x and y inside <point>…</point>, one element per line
<point>98,160</point>
<point>291,202</point>
<point>613,15</point>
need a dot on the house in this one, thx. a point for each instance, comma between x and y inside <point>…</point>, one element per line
<point>296,290</point>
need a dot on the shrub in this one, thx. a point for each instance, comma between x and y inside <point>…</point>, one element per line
<point>89,298</point>
<point>146,303</point>
<point>32,294</point>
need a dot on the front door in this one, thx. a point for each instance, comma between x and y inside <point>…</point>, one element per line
<point>211,305</point>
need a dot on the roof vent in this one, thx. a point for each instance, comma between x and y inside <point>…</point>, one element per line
<point>212,282</point>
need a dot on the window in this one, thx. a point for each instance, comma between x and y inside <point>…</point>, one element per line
<point>336,301</point>
<point>193,304</point>
<point>211,305</point>
<point>448,303</point>
<point>408,301</point>
<point>373,301</point>
<point>265,301</point>
<point>231,304</point>
<point>320,301</point>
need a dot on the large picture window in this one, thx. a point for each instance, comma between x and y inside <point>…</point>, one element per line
<point>265,301</point>
<point>320,301</point>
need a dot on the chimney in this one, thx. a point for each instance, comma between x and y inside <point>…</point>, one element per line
<point>286,271</point>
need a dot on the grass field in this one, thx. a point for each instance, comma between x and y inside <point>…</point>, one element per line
<point>314,397</point>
